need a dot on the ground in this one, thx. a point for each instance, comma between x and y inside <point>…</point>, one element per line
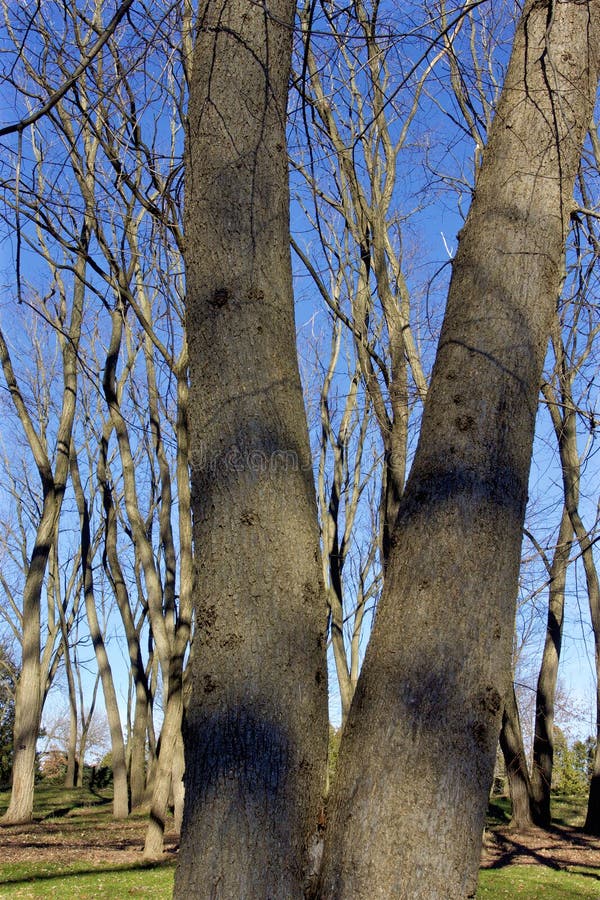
<point>89,834</point>
<point>560,848</point>
<point>81,834</point>
<point>71,827</point>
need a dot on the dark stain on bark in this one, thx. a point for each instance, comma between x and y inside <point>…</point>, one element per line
<point>237,745</point>
<point>219,298</point>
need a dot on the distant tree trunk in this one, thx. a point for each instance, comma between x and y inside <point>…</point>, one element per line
<point>543,742</point>
<point>32,683</point>
<point>121,793</point>
<point>417,754</point>
<point>137,755</point>
<point>169,765</point>
<point>177,784</point>
<point>592,819</point>
<point>72,765</point>
<point>256,727</point>
<point>171,731</point>
<point>558,393</point>
<point>71,773</point>
<point>112,565</point>
<point>511,744</point>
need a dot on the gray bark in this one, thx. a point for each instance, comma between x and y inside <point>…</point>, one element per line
<point>256,728</point>
<point>417,755</point>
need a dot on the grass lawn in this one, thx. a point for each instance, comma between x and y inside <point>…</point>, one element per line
<point>531,882</point>
<point>78,823</point>
<point>85,881</point>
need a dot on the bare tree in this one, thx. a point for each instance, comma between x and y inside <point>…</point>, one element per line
<point>53,474</point>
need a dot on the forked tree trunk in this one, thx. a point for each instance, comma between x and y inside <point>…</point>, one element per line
<point>168,774</point>
<point>256,727</point>
<point>417,755</point>
<point>31,685</point>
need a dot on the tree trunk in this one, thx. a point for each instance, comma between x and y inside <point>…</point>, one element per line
<point>28,694</point>
<point>120,789</point>
<point>170,760</point>
<point>171,729</point>
<point>177,783</point>
<point>417,755</point>
<point>137,755</point>
<point>511,744</point>
<point>563,413</point>
<point>112,565</point>
<point>543,742</point>
<point>592,819</point>
<point>71,773</point>
<point>256,728</point>
<point>72,763</point>
<point>33,682</point>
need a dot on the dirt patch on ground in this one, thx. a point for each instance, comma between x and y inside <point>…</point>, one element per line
<point>558,848</point>
<point>68,842</point>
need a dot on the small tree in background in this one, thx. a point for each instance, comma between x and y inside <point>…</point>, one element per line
<point>8,677</point>
<point>573,764</point>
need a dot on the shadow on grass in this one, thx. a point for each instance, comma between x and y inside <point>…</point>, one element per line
<point>88,870</point>
<point>498,814</point>
<point>583,872</point>
<point>514,851</point>
<point>75,807</point>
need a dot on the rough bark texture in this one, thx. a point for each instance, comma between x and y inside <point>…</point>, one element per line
<point>417,756</point>
<point>256,727</point>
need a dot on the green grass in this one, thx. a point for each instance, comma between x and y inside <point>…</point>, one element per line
<point>82,812</point>
<point>53,801</point>
<point>566,810</point>
<point>84,881</point>
<point>498,812</point>
<point>533,882</point>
